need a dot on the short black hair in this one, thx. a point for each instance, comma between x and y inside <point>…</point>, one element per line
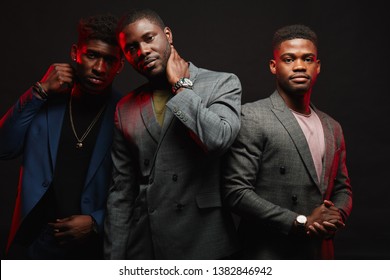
<point>137,14</point>
<point>98,27</point>
<point>293,31</point>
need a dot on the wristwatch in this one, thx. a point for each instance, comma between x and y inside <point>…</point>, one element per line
<point>182,83</point>
<point>301,221</point>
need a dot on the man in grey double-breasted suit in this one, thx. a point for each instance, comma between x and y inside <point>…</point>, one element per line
<point>165,200</point>
<point>286,174</point>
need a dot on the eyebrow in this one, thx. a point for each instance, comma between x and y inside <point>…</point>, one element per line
<point>294,55</point>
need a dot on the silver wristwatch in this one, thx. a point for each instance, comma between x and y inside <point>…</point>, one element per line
<point>301,221</point>
<point>182,83</point>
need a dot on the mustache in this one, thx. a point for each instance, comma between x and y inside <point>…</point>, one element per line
<point>300,75</point>
<point>146,61</point>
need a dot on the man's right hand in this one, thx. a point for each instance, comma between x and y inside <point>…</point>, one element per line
<point>59,78</point>
<point>324,221</point>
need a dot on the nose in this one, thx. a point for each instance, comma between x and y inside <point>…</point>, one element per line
<point>299,65</point>
<point>143,49</point>
<point>100,65</point>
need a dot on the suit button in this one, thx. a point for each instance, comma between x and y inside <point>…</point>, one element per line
<point>150,181</point>
<point>174,177</point>
<point>45,184</point>
<point>151,210</point>
<point>282,170</point>
<point>294,198</point>
<point>146,162</point>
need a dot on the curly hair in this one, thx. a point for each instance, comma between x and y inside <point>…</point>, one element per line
<point>137,14</point>
<point>293,32</point>
<point>98,27</point>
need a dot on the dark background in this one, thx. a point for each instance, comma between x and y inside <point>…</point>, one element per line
<point>235,37</point>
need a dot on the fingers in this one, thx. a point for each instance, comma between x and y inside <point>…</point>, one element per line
<point>312,231</point>
<point>329,226</point>
<point>328,203</point>
<point>58,78</point>
<point>322,231</point>
<point>177,67</point>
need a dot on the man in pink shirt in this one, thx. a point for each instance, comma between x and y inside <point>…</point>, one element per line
<point>286,174</point>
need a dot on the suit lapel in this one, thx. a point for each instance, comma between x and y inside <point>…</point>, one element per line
<point>147,115</point>
<point>168,120</point>
<point>295,132</point>
<point>329,151</point>
<point>55,118</point>
<point>104,138</point>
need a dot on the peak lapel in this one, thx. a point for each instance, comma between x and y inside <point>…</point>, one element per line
<point>55,118</point>
<point>292,127</point>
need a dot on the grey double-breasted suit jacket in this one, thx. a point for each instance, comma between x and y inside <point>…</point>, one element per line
<point>165,200</point>
<point>270,178</point>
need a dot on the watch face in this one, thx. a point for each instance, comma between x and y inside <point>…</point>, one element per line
<point>301,219</point>
<point>186,82</point>
<point>182,83</point>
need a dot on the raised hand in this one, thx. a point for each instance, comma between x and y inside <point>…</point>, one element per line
<point>59,78</point>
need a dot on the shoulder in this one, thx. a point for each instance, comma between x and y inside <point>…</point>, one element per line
<point>131,97</point>
<point>328,119</point>
<point>205,75</point>
<point>255,109</point>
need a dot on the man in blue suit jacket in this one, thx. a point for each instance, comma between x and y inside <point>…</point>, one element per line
<point>62,127</point>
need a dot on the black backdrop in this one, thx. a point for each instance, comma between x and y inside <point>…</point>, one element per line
<point>235,36</point>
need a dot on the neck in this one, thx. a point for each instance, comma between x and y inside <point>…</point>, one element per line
<point>85,101</point>
<point>297,102</point>
<point>79,93</point>
<point>159,83</point>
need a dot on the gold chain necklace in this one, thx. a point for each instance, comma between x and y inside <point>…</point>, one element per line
<point>80,140</point>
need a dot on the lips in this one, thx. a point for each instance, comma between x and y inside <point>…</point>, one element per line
<point>147,63</point>
<point>300,78</point>
<point>95,80</point>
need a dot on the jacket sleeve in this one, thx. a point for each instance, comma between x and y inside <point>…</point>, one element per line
<point>341,194</point>
<point>121,196</point>
<point>15,123</point>
<point>241,166</point>
<point>211,110</point>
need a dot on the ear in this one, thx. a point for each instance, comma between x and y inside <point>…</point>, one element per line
<point>318,66</point>
<point>73,52</point>
<point>122,64</point>
<point>169,35</point>
<point>272,66</point>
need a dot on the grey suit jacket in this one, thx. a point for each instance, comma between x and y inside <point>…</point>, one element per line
<point>270,178</point>
<point>165,200</point>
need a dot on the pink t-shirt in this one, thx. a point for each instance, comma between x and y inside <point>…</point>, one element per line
<point>312,128</point>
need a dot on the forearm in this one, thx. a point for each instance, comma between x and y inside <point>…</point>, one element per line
<point>15,123</point>
<point>215,122</point>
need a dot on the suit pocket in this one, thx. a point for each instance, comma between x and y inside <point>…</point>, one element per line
<point>208,200</point>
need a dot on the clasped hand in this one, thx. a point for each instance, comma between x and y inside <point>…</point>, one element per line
<point>324,221</point>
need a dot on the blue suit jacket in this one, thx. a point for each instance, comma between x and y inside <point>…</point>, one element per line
<point>32,128</point>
